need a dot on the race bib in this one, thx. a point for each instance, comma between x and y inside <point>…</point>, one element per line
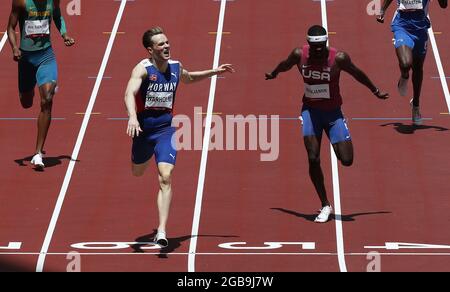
<point>159,100</point>
<point>35,28</point>
<point>411,5</point>
<point>321,91</point>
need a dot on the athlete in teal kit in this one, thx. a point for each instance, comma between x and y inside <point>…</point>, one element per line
<point>37,63</point>
<point>150,99</point>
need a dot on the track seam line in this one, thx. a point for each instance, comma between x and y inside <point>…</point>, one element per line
<point>439,65</point>
<point>206,139</point>
<point>335,173</point>
<point>76,150</point>
<point>3,41</point>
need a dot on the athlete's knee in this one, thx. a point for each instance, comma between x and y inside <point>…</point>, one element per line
<point>137,172</point>
<point>405,64</point>
<point>47,102</point>
<point>313,160</point>
<point>26,99</point>
<point>347,161</point>
<point>165,179</point>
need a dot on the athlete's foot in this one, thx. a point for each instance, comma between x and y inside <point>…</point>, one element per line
<point>324,214</point>
<point>402,86</point>
<point>161,239</point>
<point>416,116</point>
<point>37,161</point>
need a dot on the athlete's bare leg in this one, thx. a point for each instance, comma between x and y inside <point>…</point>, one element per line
<point>405,60</point>
<point>26,99</point>
<point>47,91</point>
<point>344,152</point>
<point>312,144</point>
<point>417,78</point>
<point>165,193</point>
<point>139,169</point>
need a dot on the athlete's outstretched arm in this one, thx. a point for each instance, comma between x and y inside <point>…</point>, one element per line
<point>17,6</point>
<point>190,77</point>
<point>443,3</point>
<point>138,74</point>
<point>345,63</point>
<point>286,65</point>
<point>61,24</point>
<point>386,4</point>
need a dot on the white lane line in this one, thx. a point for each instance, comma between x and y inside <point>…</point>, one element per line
<point>206,139</point>
<point>440,67</point>
<point>76,150</point>
<point>336,188</point>
<point>3,41</point>
<point>225,254</point>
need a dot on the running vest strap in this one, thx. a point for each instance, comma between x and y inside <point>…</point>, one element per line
<point>35,25</point>
<point>158,90</point>
<point>321,85</point>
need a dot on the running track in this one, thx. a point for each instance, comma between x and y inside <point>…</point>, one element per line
<point>395,192</point>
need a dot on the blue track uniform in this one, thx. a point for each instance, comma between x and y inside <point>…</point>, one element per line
<point>155,102</point>
<point>410,25</point>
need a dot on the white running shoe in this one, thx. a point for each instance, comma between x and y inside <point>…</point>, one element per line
<point>37,161</point>
<point>416,116</point>
<point>161,239</point>
<point>324,214</point>
<point>403,86</point>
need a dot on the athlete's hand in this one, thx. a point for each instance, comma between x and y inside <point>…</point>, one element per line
<point>17,54</point>
<point>68,41</point>
<point>270,76</point>
<point>225,68</point>
<point>134,128</point>
<point>380,17</point>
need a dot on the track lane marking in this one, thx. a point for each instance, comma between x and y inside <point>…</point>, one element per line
<point>76,150</point>
<point>440,67</point>
<point>335,172</point>
<point>206,139</point>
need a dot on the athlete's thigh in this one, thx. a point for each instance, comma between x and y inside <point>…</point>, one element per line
<point>142,150</point>
<point>165,150</point>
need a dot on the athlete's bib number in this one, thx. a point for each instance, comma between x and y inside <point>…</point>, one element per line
<point>321,91</point>
<point>411,5</point>
<point>159,100</point>
<point>37,27</point>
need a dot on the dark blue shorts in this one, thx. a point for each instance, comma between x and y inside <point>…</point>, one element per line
<point>315,121</point>
<point>37,67</point>
<point>415,40</point>
<point>159,142</point>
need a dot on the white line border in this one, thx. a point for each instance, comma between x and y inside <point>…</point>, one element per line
<point>206,139</point>
<point>3,41</point>
<point>76,150</point>
<point>440,67</point>
<point>336,187</point>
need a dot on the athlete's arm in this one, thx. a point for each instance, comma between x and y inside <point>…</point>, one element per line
<point>17,7</point>
<point>190,77</point>
<point>138,74</point>
<point>386,4</point>
<point>443,3</point>
<point>286,65</point>
<point>345,63</point>
<point>61,24</point>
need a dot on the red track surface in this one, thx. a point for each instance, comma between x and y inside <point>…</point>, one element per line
<point>395,192</point>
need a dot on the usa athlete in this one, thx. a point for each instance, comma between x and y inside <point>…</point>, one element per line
<point>410,27</point>
<point>320,67</point>
<point>150,99</point>
<point>36,60</point>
